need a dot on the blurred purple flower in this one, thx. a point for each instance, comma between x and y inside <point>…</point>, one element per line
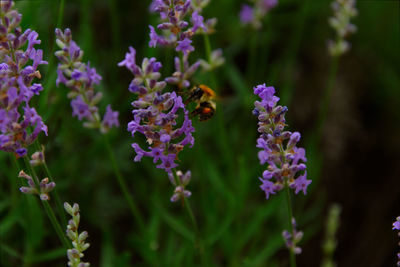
<point>254,14</point>
<point>291,242</point>
<point>246,14</point>
<point>81,78</point>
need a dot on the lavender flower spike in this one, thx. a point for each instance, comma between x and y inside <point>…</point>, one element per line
<point>44,187</point>
<point>343,10</point>
<point>181,76</point>
<point>81,79</point>
<point>253,15</point>
<point>279,150</point>
<point>292,241</point>
<point>155,114</point>
<point>78,240</point>
<point>180,192</point>
<point>18,71</point>
<point>180,21</point>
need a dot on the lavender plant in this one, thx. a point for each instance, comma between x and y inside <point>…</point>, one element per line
<point>396,226</point>
<point>180,21</point>
<point>253,15</point>
<point>343,10</point>
<point>81,79</point>
<point>44,187</point>
<point>180,192</point>
<point>20,124</point>
<point>155,114</point>
<point>286,168</point>
<point>330,243</point>
<point>291,241</point>
<point>285,160</point>
<point>78,239</point>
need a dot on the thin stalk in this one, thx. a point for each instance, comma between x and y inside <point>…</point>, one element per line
<point>122,184</point>
<point>252,53</point>
<point>208,49</point>
<point>14,182</point>
<point>290,214</point>
<point>290,57</point>
<point>221,129</point>
<point>47,207</point>
<point>50,80</point>
<point>326,98</point>
<point>56,197</point>
<point>198,240</point>
<point>59,205</point>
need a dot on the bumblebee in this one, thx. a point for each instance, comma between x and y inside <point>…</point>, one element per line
<point>204,97</point>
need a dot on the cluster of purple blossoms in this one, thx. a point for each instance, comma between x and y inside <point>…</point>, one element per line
<point>284,162</point>
<point>253,15</point>
<point>44,186</point>
<point>155,114</point>
<point>396,226</point>
<point>343,10</point>
<point>20,124</point>
<point>180,21</point>
<point>81,78</point>
<point>291,242</point>
<point>177,31</point>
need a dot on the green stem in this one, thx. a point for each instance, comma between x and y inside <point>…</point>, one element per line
<point>208,49</point>
<point>14,182</point>
<point>221,129</point>
<point>59,205</point>
<point>47,207</point>
<point>198,240</point>
<point>252,53</point>
<point>51,78</point>
<point>60,13</point>
<point>326,99</point>
<point>122,184</point>
<point>288,63</point>
<point>290,214</point>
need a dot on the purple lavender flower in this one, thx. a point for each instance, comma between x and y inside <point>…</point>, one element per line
<point>38,158</point>
<point>44,186</point>
<point>180,193</point>
<point>254,15</point>
<point>278,146</point>
<point>81,79</point>
<point>246,14</point>
<point>18,70</point>
<point>181,76</point>
<point>155,114</point>
<point>396,224</point>
<point>291,242</point>
<point>185,46</point>
<point>343,10</point>
<point>180,21</point>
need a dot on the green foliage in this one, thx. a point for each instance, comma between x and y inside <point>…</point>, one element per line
<point>238,226</point>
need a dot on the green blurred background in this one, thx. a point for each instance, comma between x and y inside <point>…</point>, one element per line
<point>355,164</point>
